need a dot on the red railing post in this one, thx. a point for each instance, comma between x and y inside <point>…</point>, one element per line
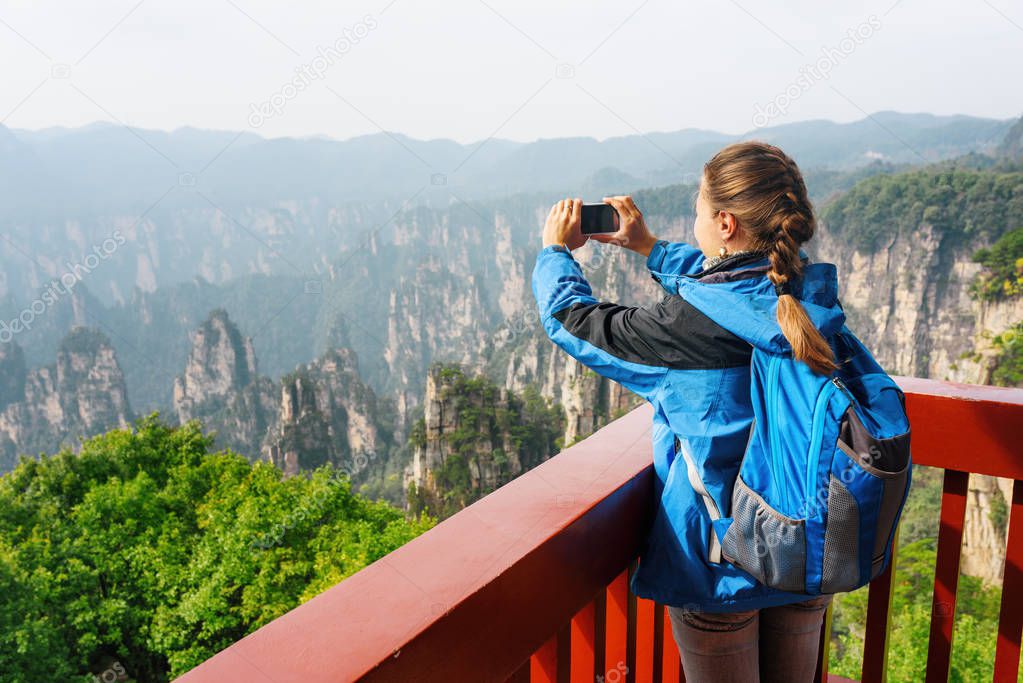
<point>582,645</point>
<point>616,634</point>
<point>552,663</point>
<point>543,665</point>
<point>1010,617</point>
<point>878,626</point>
<point>658,643</point>
<point>600,631</point>
<point>644,641</point>
<point>946,575</point>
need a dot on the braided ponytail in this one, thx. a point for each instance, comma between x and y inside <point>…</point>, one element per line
<point>764,189</point>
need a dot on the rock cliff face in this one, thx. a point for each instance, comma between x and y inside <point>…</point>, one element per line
<point>986,526</point>
<point>47,408</point>
<point>178,244</point>
<point>588,400</point>
<point>910,301</point>
<point>221,363</point>
<point>13,375</point>
<point>433,316</point>
<point>222,388</point>
<point>328,415</point>
<point>321,413</point>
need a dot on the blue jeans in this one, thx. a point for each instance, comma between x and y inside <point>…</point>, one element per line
<point>758,646</point>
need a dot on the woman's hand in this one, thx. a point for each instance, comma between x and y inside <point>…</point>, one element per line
<point>564,225</point>
<point>632,231</point>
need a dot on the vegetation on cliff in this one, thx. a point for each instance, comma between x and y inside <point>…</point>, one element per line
<point>1002,277</point>
<point>1007,368</point>
<point>962,205</point>
<point>148,553</point>
<point>489,427</point>
<point>1000,280</point>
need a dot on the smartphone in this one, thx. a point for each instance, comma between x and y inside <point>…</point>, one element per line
<point>599,218</point>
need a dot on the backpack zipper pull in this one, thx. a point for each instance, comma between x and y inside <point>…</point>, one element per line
<point>837,381</point>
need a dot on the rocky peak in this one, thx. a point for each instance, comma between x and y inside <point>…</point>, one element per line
<point>55,406</point>
<point>222,388</point>
<point>90,383</point>
<point>302,438</point>
<point>328,415</point>
<point>222,363</point>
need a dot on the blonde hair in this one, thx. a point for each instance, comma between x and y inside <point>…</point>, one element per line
<point>763,188</point>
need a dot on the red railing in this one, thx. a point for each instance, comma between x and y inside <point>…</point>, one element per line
<point>530,583</point>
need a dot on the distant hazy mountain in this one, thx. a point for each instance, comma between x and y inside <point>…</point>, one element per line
<point>1012,146</point>
<point>62,172</point>
<point>221,205</point>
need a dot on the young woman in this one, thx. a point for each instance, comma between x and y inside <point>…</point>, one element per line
<point>752,215</point>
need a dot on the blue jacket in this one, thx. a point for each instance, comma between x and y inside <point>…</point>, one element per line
<point>695,371</point>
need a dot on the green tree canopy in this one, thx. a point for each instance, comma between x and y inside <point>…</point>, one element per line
<point>150,551</point>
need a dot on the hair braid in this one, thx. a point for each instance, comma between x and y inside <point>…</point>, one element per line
<point>764,189</point>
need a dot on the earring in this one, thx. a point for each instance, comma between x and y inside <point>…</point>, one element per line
<point>723,251</point>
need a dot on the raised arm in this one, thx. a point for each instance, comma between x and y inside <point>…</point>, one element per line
<point>601,336</point>
<point>635,346</point>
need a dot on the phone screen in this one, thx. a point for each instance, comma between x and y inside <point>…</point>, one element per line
<point>598,218</point>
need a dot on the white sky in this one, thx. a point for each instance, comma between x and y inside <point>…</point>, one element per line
<point>465,69</point>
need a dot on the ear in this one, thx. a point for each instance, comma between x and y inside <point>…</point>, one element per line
<point>728,225</point>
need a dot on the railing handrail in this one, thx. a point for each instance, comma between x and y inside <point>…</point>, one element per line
<point>969,427</point>
<point>474,597</point>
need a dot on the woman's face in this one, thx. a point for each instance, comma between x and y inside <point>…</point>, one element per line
<point>707,226</point>
<point>716,229</point>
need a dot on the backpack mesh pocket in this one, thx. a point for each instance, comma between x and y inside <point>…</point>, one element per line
<point>841,570</point>
<point>764,542</point>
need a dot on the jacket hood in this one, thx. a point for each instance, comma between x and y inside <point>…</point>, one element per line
<point>743,301</point>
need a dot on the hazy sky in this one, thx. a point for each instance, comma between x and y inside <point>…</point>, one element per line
<point>468,69</point>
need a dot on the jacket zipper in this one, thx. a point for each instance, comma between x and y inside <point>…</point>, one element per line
<point>816,437</point>
<point>773,368</point>
<point>714,551</point>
